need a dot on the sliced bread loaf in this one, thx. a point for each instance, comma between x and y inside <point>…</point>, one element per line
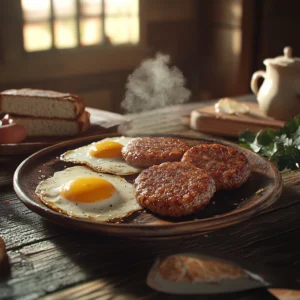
<point>41,103</point>
<point>39,126</point>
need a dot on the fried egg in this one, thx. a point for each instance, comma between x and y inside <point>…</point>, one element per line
<point>103,156</point>
<point>80,192</point>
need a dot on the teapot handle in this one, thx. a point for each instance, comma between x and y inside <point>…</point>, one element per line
<point>254,80</point>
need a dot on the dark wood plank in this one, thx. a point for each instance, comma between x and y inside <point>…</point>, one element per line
<point>48,262</point>
<point>18,225</point>
<point>64,261</point>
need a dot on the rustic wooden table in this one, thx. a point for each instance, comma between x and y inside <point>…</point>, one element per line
<point>50,262</point>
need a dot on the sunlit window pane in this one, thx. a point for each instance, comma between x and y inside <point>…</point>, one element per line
<point>65,33</point>
<point>122,30</point>
<point>64,8</point>
<point>37,36</point>
<point>90,31</point>
<point>91,7</point>
<point>121,7</point>
<point>121,20</point>
<point>36,9</point>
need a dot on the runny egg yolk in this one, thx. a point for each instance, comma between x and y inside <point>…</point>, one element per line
<point>88,190</point>
<point>106,149</point>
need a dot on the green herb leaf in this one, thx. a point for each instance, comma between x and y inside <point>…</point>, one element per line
<point>246,137</point>
<point>291,126</point>
<point>282,147</point>
<point>267,136</point>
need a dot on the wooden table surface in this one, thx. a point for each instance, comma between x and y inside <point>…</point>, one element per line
<point>50,262</point>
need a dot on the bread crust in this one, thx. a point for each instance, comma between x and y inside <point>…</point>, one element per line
<point>174,189</point>
<point>83,122</point>
<point>77,101</point>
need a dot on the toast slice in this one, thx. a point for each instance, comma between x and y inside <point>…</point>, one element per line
<point>41,103</point>
<point>39,126</point>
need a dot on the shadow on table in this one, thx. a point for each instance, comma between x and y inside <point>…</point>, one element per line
<point>122,266</point>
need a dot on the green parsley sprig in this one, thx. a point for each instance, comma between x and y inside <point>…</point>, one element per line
<point>281,147</point>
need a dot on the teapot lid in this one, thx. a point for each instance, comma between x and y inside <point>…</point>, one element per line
<point>287,60</point>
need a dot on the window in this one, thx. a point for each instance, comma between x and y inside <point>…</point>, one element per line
<point>59,24</point>
<point>31,38</point>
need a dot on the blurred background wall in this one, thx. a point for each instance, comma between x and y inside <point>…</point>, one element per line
<point>217,44</point>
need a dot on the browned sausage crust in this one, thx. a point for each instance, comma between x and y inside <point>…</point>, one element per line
<point>149,151</point>
<point>174,189</point>
<point>227,166</point>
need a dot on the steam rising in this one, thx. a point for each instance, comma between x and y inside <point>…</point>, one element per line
<point>153,85</point>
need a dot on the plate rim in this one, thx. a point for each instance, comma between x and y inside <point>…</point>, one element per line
<point>219,221</point>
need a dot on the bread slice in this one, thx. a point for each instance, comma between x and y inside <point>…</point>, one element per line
<point>53,127</point>
<point>41,103</point>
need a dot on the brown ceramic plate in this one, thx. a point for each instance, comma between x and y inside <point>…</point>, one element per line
<point>226,208</point>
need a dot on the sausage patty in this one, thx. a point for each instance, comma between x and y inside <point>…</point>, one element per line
<point>148,151</point>
<point>174,189</point>
<point>227,166</point>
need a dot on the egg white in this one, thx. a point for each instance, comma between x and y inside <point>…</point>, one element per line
<point>121,204</point>
<point>114,165</point>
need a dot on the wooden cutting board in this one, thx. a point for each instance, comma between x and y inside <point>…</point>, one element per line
<point>207,120</point>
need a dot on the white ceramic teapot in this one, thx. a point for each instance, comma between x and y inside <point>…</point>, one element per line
<point>279,95</point>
